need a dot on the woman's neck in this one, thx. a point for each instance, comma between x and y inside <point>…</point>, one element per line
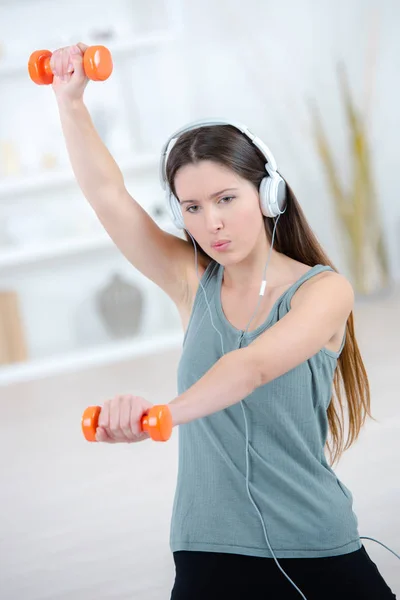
<point>248,274</point>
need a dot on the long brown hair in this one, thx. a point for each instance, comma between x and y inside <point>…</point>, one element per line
<point>227,146</point>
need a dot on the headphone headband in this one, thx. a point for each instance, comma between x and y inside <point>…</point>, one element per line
<point>271,165</point>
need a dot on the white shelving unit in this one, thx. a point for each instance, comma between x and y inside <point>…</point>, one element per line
<point>34,257</point>
<point>96,356</point>
<point>17,186</point>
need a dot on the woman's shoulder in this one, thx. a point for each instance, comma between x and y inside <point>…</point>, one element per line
<point>323,283</point>
<point>321,288</point>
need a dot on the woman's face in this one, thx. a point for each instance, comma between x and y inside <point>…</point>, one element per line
<point>217,204</point>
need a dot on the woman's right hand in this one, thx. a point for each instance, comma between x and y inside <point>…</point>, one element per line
<point>69,78</point>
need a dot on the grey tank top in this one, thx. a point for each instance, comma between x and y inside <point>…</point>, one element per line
<point>307,510</point>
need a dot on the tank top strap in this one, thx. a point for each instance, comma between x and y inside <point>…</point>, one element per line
<point>310,273</point>
<point>207,284</point>
<point>210,274</point>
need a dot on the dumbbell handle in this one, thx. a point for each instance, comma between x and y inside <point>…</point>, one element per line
<point>97,64</point>
<point>157,422</point>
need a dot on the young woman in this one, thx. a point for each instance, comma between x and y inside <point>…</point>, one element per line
<point>258,511</point>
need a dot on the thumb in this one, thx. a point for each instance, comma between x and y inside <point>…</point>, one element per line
<point>82,47</point>
<point>102,436</point>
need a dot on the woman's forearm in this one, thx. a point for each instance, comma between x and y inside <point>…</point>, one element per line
<point>228,381</point>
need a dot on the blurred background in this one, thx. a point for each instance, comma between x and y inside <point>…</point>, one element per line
<point>318,82</point>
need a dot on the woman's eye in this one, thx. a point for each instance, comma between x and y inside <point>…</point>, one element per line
<point>192,209</point>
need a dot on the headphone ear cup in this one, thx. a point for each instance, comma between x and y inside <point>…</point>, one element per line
<point>175,210</point>
<point>272,195</point>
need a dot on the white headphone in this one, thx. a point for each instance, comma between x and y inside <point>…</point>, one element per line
<point>272,188</point>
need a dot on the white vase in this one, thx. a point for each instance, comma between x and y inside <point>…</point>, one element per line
<point>120,304</point>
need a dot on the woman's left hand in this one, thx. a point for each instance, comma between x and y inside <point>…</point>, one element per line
<point>120,420</point>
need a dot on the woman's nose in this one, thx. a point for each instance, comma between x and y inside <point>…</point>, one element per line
<point>212,219</point>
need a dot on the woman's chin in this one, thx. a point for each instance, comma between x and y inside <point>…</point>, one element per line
<point>226,260</point>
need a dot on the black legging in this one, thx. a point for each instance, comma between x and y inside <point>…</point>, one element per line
<point>220,576</point>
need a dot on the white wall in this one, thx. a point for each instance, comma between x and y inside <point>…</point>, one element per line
<point>262,62</point>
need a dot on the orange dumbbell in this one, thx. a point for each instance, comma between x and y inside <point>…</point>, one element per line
<point>97,64</point>
<point>157,422</point>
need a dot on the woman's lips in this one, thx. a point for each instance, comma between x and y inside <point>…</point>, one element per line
<point>221,246</point>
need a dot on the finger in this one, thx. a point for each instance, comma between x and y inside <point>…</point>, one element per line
<point>136,417</point>
<point>55,63</point>
<point>59,64</point>
<point>115,431</point>
<point>104,417</point>
<point>82,46</point>
<point>125,417</point>
<point>114,418</point>
<point>65,60</point>
<point>67,67</point>
<point>143,436</point>
<point>102,436</point>
<point>76,60</point>
<point>52,63</point>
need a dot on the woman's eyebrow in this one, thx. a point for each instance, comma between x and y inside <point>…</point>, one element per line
<point>211,196</point>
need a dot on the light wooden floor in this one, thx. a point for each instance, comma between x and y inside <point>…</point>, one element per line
<point>82,522</point>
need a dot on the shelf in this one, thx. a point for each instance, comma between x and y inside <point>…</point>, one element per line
<point>117,49</point>
<point>21,185</point>
<point>39,253</point>
<point>90,357</point>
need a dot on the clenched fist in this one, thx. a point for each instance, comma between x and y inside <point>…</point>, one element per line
<point>69,81</point>
<point>120,420</point>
